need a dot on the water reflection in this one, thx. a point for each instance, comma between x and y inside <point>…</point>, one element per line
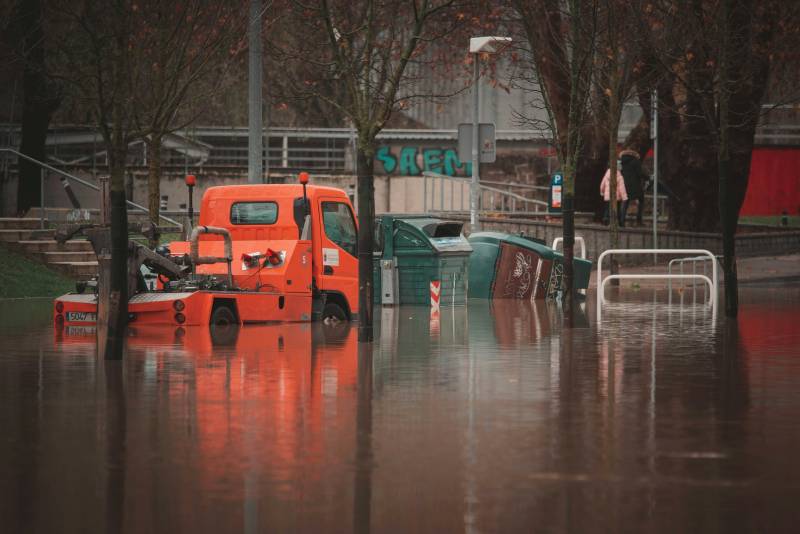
<point>491,417</point>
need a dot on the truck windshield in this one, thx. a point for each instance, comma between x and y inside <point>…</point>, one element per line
<point>254,213</point>
<point>339,225</point>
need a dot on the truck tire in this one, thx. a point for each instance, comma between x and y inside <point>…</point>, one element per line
<point>333,313</point>
<point>223,315</point>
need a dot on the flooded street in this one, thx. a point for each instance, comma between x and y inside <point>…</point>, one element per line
<point>490,418</point>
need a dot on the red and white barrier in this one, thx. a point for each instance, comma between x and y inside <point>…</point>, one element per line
<point>436,293</point>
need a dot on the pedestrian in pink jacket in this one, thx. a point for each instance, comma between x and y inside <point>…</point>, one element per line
<point>605,192</point>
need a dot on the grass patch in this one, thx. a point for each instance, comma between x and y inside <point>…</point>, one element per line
<point>770,220</point>
<point>21,277</point>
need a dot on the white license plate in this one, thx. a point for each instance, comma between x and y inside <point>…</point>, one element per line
<point>81,317</point>
<point>81,331</point>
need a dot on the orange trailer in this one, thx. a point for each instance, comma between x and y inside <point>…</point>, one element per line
<point>260,253</point>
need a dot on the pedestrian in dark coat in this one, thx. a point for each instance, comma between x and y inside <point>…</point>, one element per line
<point>635,178</point>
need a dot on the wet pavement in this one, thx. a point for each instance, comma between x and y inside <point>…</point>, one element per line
<point>490,418</point>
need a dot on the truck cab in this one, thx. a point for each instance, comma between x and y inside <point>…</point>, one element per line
<point>260,253</point>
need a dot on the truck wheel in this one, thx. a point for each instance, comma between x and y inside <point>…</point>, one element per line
<point>333,313</point>
<point>222,315</point>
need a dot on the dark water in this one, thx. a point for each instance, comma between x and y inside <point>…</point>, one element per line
<point>487,419</point>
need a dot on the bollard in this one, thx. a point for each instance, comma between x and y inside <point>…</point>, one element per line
<point>436,293</point>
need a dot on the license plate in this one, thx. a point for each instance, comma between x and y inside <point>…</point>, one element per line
<point>81,331</point>
<point>81,317</point>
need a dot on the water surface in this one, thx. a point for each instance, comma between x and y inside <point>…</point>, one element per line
<point>489,418</point>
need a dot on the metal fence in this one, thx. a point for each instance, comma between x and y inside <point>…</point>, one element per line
<point>442,193</point>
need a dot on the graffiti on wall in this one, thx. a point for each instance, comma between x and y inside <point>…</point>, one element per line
<point>412,161</point>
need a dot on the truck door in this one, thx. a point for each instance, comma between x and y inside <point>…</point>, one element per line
<point>338,254</point>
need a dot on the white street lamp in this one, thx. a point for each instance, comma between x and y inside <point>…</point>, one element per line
<point>477,46</point>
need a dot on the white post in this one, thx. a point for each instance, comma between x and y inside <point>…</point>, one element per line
<point>473,192</point>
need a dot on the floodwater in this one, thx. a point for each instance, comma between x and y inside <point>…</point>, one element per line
<point>489,418</point>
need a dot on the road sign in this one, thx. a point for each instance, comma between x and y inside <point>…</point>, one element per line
<point>556,193</point>
<point>486,142</point>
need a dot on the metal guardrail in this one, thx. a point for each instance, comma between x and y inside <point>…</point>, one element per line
<point>694,260</point>
<point>44,166</point>
<point>508,199</point>
<point>712,283</point>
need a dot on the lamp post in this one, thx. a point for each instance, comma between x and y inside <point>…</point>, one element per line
<point>191,180</point>
<point>477,46</point>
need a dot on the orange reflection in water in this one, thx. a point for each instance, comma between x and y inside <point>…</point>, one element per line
<point>268,397</point>
<point>271,409</point>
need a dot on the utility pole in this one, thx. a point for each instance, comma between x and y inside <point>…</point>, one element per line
<point>654,136</point>
<point>255,82</point>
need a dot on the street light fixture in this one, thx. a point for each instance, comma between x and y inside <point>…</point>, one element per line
<point>477,46</point>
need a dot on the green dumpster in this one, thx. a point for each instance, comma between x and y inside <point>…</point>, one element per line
<point>414,250</point>
<point>515,267</point>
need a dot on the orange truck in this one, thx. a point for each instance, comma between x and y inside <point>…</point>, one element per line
<point>260,253</point>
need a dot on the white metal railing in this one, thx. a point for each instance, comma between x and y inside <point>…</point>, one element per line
<point>45,167</point>
<point>459,186</point>
<point>578,239</point>
<point>694,260</point>
<point>712,283</point>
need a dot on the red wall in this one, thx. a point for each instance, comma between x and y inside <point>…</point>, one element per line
<point>774,182</point>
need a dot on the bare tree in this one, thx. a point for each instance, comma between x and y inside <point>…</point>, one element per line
<point>718,58</point>
<point>561,37</point>
<point>354,56</point>
<point>178,61</point>
<point>615,74</point>
<point>25,37</point>
<point>95,64</point>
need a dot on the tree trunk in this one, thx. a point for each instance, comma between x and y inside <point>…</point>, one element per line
<point>153,180</point>
<point>366,223</point>
<point>729,215</point>
<point>613,225</point>
<point>118,294</point>
<point>39,104</point>
<point>568,220</point>
<point>590,167</point>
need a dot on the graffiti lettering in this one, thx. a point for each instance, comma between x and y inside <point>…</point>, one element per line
<point>412,161</point>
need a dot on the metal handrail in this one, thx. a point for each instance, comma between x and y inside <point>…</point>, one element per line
<point>601,281</point>
<point>82,182</point>
<point>483,188</point>
<point>578,239</point>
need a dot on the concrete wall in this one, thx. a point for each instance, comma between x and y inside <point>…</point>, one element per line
<point>404,194</point>
<point>398,194</point>
<point>597,238</point>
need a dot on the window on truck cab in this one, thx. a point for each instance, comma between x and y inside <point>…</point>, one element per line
<point>254,212</point>
<point>340,227</point>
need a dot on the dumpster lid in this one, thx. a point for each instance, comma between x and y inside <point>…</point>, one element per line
<point>444,235</point>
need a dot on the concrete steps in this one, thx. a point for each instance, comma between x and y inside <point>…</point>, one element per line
<point>74,258</point>
<point>51,245</point>
<point>69,256</point>
<point>14,223</point>
<point>13,234</point>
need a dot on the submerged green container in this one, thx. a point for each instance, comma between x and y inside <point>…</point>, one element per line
<point>414,250</point>
<point>516,267</point>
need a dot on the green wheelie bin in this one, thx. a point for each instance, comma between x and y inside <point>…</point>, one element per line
<point>507,266</point>
<point>411,251</point>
